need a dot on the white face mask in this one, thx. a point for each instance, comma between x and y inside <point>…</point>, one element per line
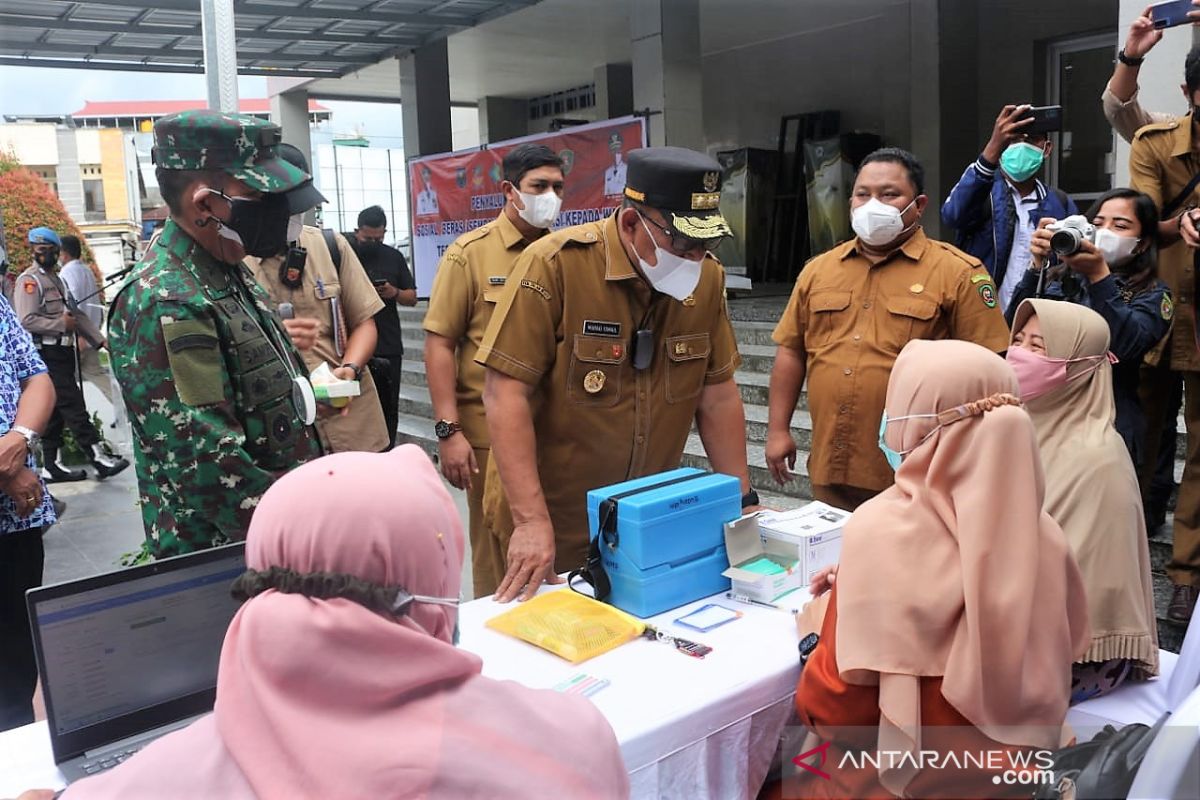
<point>1116,249</point>
<point>295,225</point>
<point>540,210</point>
<point>672,274</point>
<point>877,223</point>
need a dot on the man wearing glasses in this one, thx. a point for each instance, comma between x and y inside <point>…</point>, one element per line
<point>610,339</point>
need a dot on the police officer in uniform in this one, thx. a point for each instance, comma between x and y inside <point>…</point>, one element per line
<point>218,398</point>
<point>617,332</point>
<point>41,300</point>
<point>470,280</point>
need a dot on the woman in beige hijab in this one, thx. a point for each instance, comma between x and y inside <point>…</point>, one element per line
<point>958,607</point>
<point>1060,355</point>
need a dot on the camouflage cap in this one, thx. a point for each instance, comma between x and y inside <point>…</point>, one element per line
<point>245,147</point>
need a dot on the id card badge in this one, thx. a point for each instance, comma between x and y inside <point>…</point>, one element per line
<point>304,399</point>
<point>707,617</point>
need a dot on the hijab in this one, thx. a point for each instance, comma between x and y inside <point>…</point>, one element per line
<point>955,571</point>
<point>1091,485</point>
<point>325,698</point>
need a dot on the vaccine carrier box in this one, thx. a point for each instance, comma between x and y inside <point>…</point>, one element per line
<point>814,532</point>
<point>661,537</point>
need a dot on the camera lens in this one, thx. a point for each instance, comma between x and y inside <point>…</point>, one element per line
<point>1066,242</point>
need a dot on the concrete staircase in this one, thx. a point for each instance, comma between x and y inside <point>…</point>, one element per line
<point>753,321</point>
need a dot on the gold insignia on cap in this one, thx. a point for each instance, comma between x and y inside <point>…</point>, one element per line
<point>916,288</point>
<point>593,382</point>
<point>634,194</point>
<point>710,181</point>
<point>705,202</point>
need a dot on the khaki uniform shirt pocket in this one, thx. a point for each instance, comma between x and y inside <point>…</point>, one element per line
<point>687,362</point>
<point>908,318</point>
<point>826,318</point>
<point>594,376</point>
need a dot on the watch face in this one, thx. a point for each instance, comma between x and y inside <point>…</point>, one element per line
<point>441,429</point>
<point>808,644</point>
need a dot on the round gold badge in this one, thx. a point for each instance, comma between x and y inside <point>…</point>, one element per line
<point>916,288</point>
<point>593,381</point>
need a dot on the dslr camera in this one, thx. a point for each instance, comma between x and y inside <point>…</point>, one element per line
<point>1068,235</point>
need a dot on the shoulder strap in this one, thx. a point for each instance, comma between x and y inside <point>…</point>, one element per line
<point>1170,208</point>
<point>335,252</point>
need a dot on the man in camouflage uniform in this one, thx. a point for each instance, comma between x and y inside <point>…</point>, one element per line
<point>217,396</point>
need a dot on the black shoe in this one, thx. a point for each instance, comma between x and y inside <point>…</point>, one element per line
<point>60,506</point>
<point>105,464</point>
<point>54,472</point>
<point>1183,602</point>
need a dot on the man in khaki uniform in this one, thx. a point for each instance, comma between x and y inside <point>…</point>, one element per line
<point>852,311</point>
<point>620,328</point>
<point>1164,159</point>
<point>334,323</point>
<point>469,282</point>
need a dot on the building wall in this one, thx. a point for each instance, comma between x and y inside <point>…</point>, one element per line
<point>111,148</point>
<point>34,144</point>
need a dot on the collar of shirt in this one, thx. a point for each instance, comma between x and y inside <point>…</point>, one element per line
<point>509,235</point>
<point>1182,137</point>
<point>912,249</point>
<point>617,266</point>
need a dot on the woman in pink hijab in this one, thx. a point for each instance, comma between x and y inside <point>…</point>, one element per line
<point>324,692</point>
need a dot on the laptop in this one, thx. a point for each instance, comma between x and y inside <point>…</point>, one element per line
<point>128,656</point>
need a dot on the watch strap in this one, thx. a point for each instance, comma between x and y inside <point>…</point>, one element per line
<point>30,435</point>
<point>357,369</point>
<point>1129,61</point>
<point>750,498</point>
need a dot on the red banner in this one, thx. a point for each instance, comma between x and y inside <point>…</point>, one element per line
<point>453,193</point>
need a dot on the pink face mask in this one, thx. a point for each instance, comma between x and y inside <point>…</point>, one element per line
<point>1038,374</point>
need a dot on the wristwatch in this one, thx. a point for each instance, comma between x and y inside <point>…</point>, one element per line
<point>445,428</point>
<point>1129,61</point>
<point>357,369</point>
<point>32,437</point>
<point>750,498</point>
<point>807,645</point>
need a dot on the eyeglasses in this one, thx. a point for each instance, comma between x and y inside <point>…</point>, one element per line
<point>681,243</point>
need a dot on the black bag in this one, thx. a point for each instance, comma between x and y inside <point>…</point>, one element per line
<point>1102,769</point>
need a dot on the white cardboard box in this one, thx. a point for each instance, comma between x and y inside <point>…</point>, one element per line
<point>745,543</point>
<point>813,532</point>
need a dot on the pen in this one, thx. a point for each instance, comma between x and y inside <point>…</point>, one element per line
<point>739,598</point>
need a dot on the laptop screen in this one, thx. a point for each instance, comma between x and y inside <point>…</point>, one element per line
<point>117,644</point>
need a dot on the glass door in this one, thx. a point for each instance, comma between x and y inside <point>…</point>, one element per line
<point>1082,164</point>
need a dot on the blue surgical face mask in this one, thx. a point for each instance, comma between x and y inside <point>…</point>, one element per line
<point>895,457</point>
<point>1021,160</point>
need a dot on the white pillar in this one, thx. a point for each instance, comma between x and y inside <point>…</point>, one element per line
<point>220,54</point>
<point>666,69</point>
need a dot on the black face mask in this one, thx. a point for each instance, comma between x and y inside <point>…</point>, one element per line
<point>262,223</point>
<point>47,258</point>
<point>368,251</point>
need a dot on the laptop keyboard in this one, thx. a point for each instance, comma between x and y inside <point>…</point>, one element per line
<point>108,760</point>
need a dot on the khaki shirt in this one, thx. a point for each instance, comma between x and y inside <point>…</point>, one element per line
<point>322,287</point>
<point>469,281</point>
<point>852,319</point>
<point>40,300</point>
<point>1161,163</point>
<point>565,324</point>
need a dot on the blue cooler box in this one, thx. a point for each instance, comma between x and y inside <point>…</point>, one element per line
<point>663,545</point>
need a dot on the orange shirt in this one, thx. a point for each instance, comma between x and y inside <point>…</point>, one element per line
<point>847,716</point>
<point>852,318</point>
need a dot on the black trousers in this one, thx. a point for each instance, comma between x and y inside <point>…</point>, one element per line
<point>69,408</point>
<point>386,372</point>
<point>21,560</point>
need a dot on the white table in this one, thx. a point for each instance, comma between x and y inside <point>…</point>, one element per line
<point>687,727</point>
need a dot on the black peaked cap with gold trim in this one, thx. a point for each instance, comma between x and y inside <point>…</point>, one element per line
<point>683,184</point>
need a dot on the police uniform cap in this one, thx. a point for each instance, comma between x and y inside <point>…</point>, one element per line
<point>683,184</point>
<point>240,145</point>
<point>43,235</point>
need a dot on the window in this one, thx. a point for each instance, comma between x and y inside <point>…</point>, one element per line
<point>93,196</point>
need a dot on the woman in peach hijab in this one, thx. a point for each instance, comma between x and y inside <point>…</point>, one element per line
<point>332,686</point>
<point>957,608</point>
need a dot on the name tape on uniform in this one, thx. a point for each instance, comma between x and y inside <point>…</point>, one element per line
<point>594,327</point>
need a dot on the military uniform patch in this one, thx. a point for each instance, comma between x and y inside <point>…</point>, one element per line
<point>30,287</point>
<point>980,278</point>
<point>987,293</point>
<point>537,287</point>
<point>1167,308</point>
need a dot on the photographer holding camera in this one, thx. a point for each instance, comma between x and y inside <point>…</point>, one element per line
<point>1110,265</point>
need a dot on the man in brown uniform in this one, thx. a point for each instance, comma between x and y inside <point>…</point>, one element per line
<point>1164,159</point>
<point>852,311</point>
<point>469,282</point>
<point>333,321</point>
<point>620,327</point>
